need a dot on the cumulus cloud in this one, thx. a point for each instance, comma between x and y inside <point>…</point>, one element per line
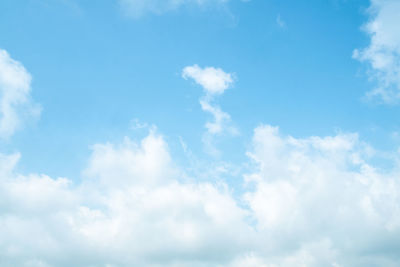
<point>213,80</point>
<point>307,202</point>
<point>137,8</point>
<point>316,201</point>
<point>128,160</point>
<point>128,211</point>
<point>383,52</point>
<point>320,202</point>
<point>15,102</point>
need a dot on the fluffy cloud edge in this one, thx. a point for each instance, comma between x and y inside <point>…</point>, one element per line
<point>16,104</point>
<point>383,53</point>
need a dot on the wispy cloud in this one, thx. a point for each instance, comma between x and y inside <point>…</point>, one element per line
<point>383,52</point>
<point>281,23</point>
<point>214,82</point>
<point>15,103</point>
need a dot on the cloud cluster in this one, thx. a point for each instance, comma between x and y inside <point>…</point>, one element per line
<point>130,210</point>
<point>316,201</point>
<point>383,52</point>
<point>15,102</point>
<point>308,202</point>
<point>137,8</point>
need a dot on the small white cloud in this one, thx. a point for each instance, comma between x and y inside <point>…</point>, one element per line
<point>383,52</point>
<point>15,102</point>
<point>213,80</point>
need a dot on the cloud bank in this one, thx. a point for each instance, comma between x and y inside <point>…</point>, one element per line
<point>315,201</point>
<point>307,202</point>
<point>383,52</point>
<point>130,210</point>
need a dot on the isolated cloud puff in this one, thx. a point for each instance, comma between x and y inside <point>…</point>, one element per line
<point>15,102</point>
<point>137,8</point>
<point>213,80</point>
<point>383,52</point>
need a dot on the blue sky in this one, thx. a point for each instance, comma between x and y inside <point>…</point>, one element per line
<point>95,69</point>
<point>189,94</point>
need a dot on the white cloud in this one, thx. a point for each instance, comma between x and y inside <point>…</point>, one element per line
<point>15,102</point>
<point>308,202</point>
<point>221,117</point>
<point>314,190</point>
<point>316,201</point>
<point>130,210</point>
<point>137,8</point>
<point>383,52</point>
<point>214,82</point>
<point>149,163</point>
<point>219,126</point>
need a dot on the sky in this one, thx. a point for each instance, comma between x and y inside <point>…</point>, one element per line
<point>239,133</point>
